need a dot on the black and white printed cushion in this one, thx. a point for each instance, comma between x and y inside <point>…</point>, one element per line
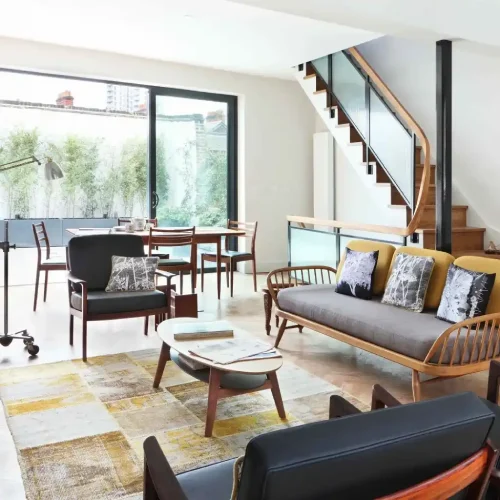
<point>465,295</point>
<point>356,278</point>
<point>132,274</point>
<point>408,282</point>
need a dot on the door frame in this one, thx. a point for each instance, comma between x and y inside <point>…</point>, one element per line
<point>232,143</point>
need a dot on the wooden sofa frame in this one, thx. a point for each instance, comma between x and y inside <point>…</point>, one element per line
<point>482,332</point>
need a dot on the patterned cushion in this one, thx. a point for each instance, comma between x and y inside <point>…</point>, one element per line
<point>408,282</point>
<point>356,278</point>
<point>465,295</point>
<point>132,274</point>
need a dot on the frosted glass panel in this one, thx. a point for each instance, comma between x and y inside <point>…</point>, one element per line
<point>392,144</point>
<point>349,88</point>
<point>309,247</point>
<point>321,66</point>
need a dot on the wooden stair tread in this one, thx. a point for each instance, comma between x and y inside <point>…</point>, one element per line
<point>323,91</point>
<point>429,207</point>
<point>307,77</point>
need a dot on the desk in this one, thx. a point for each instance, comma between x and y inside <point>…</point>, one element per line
<point>201,235</point>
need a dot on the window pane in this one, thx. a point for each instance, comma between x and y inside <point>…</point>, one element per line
<point>191,162</point>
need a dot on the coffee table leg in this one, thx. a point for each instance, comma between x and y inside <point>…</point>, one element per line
<point>213,394</point>
<point>164,357</point>
<point>275,389</point>
<point>267,311</point>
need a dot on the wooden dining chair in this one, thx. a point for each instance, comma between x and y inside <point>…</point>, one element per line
<point>175,237</point>
<point>46,263</point>
<point>230,258</point>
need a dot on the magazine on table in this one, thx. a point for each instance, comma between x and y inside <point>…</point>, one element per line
<point>230,351</point>
<point>209,330</point>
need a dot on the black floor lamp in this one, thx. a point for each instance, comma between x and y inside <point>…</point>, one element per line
<point>52,171</point>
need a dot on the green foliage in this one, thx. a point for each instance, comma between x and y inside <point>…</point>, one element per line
<point>19,182</point>
<point>162,176</point>
<point>212,191</point>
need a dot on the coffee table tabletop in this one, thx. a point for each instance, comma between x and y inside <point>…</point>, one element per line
<point>259,366</point>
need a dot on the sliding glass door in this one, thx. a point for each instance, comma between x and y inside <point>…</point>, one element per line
<point>192,158</point>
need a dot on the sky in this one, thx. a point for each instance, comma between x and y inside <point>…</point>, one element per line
<point>43,89</point>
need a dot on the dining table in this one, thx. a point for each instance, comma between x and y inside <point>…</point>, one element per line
<point>202,235</point>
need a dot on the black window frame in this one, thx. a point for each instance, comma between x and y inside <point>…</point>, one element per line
<point>153,92</point>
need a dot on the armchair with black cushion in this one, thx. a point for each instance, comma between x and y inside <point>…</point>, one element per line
<point>438,445</point>
<point>89,265</point>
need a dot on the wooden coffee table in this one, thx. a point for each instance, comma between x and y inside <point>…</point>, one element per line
<point>223,380</point>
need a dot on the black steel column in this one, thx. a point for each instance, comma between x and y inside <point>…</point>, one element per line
<point>152,196</point>
<point>444,146</point>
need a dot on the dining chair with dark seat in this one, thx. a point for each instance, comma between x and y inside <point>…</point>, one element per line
<point>47,263</point>
<point>175,237</point>
<point>89,265</point>
<point>230,258</point>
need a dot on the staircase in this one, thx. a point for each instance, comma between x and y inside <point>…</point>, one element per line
<point>318,81</point>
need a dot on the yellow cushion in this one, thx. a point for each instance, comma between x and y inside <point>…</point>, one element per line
<point>385,253</point>
<point>485,265</point>
<point>442,261</point>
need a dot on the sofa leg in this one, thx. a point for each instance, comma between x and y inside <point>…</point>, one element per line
<point>71,327</point>
<point>415,384</point>
<point>84,339</point>
<point>281,331</point>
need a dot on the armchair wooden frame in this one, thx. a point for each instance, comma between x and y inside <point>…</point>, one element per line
<point>463,348</point>
<point>475,472</point>
<point>230,261</point>
<point>76,283</point>
<point>176,237</point>
<point>41,236</point>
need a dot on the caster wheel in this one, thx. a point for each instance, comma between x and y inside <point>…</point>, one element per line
<point>33,349</point>
<point>5,341</point>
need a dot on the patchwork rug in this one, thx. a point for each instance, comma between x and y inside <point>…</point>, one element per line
<point>79,427</point>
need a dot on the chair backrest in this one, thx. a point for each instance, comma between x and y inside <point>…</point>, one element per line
<point>366,456</point>
<point>41,237</point>
<point>250,229</point>
<point>171,237</point>
<point>473,473</point>
<point>89,257</point>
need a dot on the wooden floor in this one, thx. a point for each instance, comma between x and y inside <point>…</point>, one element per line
<point>347,367</point>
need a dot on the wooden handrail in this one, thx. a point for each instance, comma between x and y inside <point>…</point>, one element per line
<point>374,228</point>
<point>415,128</point>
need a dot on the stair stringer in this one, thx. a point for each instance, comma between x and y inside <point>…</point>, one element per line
<point>380,193</point>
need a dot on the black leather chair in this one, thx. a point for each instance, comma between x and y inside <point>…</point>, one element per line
<point>360,457</point>
<point>89,265</point>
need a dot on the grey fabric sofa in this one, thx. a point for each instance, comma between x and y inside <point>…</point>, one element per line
<point>419,341</point>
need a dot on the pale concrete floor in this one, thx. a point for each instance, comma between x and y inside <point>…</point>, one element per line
<point>346,367</point>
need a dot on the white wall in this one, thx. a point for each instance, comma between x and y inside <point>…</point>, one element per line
<point>275,126</point>
<point>408,67</point>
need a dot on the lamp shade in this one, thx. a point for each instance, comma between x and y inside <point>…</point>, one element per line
<point>53,171</point>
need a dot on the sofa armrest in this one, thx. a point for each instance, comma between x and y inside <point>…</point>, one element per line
<point>467,342</point>
<point>382,398</point>
<point>286,277</point>
<point>165,274</point>
<point>340,407</point>
<point>73,285</point>
<point>159,478</point>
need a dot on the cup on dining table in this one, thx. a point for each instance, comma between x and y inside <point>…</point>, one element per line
<point>129,227</point>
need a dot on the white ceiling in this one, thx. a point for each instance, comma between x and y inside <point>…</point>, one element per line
<point>472,20</point>
<point>213,33</point>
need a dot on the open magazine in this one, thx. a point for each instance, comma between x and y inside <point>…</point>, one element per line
<point>230,351</point>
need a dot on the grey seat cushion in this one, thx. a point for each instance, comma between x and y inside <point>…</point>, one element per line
<point>384,325</point>
<point>214,482</point>
<point>239,381</point>
<point>101,302</point>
